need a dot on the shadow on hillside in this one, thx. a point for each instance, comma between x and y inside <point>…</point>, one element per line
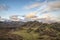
<point>5,35</point>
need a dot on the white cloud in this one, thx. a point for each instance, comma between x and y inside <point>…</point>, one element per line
<point>14,18</point>
<point>49,7</point>
<point>54,5</point>
<point>32,6</point>
<point>31,15</point>
<point>3,7</point>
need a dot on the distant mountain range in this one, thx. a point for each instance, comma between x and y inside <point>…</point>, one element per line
<point>43,20</point>
<point>18,24</point>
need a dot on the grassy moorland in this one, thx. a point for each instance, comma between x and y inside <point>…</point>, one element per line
<point>27,35</point>
<point>31,31</point>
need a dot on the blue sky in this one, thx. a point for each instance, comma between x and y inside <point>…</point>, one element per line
<point>25,7</point>
<point>16,7</point>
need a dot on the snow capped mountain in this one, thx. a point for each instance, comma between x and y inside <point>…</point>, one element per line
<point>16,19</point>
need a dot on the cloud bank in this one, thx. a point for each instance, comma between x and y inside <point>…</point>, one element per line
<point>46,10</point>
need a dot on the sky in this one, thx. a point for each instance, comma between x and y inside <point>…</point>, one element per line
<point>34,9</point>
